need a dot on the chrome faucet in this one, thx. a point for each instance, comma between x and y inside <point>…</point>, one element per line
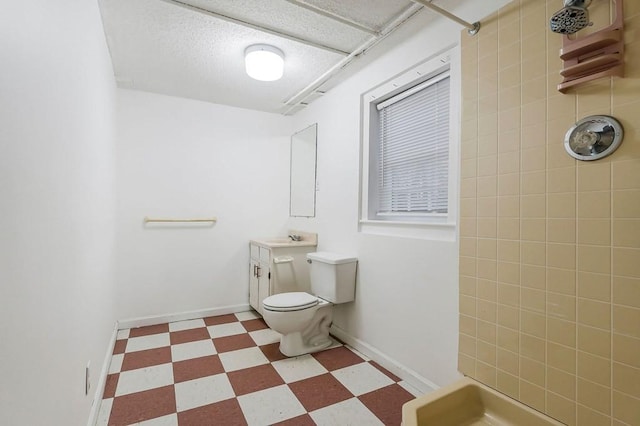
<point>295,237</point>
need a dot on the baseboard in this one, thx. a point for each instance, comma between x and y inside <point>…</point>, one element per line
<point>181,316</point>
<point>421,384</point>
<point>102,380</point>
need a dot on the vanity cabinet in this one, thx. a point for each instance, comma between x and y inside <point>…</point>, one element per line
<point>259,276</point>
<point>278,266</point>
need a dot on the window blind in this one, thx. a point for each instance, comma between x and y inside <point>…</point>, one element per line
<point>413,155</point>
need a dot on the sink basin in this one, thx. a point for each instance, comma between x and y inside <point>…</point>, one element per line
<point>468,402</point>
<point>308,240</point>
<point>279,241</point>
<point>283,242</point>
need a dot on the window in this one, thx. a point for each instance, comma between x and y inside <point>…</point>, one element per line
<point>410,152</point>
<point>413,151</point>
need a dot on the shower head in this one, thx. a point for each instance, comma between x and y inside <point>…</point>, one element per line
<point>573,17</point>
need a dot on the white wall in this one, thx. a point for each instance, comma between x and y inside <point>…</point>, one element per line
<point>56,209</point>
<point>183,158</point>
<point>407,291</point>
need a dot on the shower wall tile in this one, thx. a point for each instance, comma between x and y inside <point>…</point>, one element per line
<point>534,89</point>
<point>561,205</point>
<point>625,262</point>
<point>594,341</point>
<point>594,368</point>
<point>594,286</point>
<point>561,332</point>
<point>626,204</point>
<point>561,408</point>
<point>587,416</point>
<point>561,281</point>
<point>549,246</point>
<point>561,383</point>
<point>595,259</point>
<point>561,230</point>
<point>532,395</point>
<point>509,100</point>
<point>561,357</point>
<point>594,313</point>
<point>533,182</point>
<point>468,187</point>
<point>626,320</point>
<point>594,231</point>
<point>626,291</point>
<point>625,408</point>
<point>561,180</point>
<point>487,331</point>
<point>557,157</point>
<point>507,384</point>
<point>533,135</point>
<point>533,300</point>
<point>560,107</point>
<point>626,233</point>
<point>626,350</point>
<point>594,176</point>
<point>467,325</point>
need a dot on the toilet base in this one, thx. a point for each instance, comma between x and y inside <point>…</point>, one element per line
<point>293,345</point>
<point>314,338</point>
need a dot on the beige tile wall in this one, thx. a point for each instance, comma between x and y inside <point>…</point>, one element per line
<point>549,246</point>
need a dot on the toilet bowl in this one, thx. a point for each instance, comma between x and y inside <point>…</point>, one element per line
<point>304,319</point>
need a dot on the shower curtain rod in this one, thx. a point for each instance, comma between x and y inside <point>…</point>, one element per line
<point>472,29</point>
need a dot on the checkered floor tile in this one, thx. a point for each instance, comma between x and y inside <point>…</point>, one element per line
<point>227,370</point>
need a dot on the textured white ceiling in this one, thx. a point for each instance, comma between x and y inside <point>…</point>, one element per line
<point>195,48</point>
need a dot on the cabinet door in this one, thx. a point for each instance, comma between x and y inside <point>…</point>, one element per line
<point>253,286</point>
<point>265,255</point>
<point>264,289</point>
<point>255,251</point>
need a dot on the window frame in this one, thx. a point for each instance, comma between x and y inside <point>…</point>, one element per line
<point>439,226</point>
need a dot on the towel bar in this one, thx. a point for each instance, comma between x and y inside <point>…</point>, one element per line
<point>206,219</point>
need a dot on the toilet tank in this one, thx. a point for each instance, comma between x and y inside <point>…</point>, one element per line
<point>333,276</point>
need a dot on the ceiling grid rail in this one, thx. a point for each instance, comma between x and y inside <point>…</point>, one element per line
<point>257,27</point>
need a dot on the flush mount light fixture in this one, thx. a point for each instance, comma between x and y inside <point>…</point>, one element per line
<point>264,62</point>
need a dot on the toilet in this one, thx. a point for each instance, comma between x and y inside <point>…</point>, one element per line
<point>303,319</point>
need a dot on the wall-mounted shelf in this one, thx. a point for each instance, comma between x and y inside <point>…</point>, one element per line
<point>597,55</point>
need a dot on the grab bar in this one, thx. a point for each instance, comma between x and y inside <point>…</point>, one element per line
<point>205,219</point>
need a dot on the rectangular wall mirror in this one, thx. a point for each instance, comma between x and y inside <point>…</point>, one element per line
<point>303,172</point>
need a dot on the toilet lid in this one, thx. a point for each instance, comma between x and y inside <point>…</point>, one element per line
<point>293,301</point>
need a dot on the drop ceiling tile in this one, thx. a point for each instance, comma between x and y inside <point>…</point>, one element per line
<point>288,18</point>
<point>372,13</point>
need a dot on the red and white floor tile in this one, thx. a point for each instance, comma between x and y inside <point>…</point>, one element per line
<point>227,370</point>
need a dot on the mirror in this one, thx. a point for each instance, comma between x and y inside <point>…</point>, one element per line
<point>303,172</point>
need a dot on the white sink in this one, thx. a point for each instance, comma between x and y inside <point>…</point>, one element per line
<point>308,240</point>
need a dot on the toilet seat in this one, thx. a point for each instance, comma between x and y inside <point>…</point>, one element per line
<point>293,301</point>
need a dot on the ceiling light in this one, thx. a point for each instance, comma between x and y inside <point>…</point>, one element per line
<point>264,62</point>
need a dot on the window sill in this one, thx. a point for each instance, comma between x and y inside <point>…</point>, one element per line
<point>443,231</point>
